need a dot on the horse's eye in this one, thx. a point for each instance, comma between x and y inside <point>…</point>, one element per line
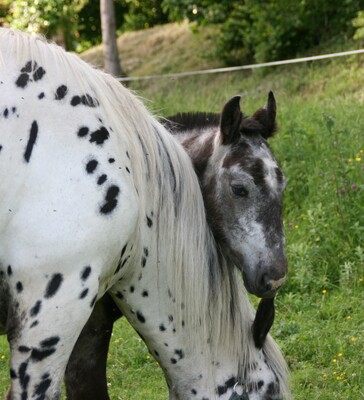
<point>239,190</point>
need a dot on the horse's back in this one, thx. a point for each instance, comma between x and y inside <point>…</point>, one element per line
<point>66,194</point>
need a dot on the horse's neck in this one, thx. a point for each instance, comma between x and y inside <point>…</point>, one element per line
<point>150,306</point>
<point>199,145</point>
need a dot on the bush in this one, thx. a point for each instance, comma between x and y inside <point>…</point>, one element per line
<point>268,30</point>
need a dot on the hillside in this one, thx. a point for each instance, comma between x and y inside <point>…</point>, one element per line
<point>176,48</point>
<point>161,49</point>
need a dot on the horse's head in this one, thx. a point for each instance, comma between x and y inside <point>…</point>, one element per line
<point>243,188</point>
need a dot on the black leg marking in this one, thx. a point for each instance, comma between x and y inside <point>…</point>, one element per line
<point>93,301</point>
<point>39,355</point>
<point>24,349</point>
<point>23,376</point>
<point>42,387</point>
<point>83,294</point>
<point>31,141</point>
<point>50,342</point>
<point>35,309</point>
<point>19,287</point>
<point>140,317</point>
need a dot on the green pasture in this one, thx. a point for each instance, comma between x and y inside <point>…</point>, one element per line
<point>320,145</point>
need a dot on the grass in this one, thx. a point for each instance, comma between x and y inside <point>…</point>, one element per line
<point>320,145</point>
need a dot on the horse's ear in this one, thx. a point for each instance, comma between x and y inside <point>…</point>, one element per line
<point>263,321</point>
<point>231,117</point>
<point>267,116</point>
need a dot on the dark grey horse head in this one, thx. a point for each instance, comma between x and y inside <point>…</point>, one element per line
<point>244,201</point>
<point>242,186</point>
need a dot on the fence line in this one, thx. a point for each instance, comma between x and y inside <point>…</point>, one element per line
<point>242,67</point>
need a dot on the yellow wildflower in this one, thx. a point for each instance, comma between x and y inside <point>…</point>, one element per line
<point>324,291</point>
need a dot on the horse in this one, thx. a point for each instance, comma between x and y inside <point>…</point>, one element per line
<point>197,133</point>
<point>97,198</point>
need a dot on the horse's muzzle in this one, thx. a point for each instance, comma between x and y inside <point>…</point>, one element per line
<point>267,285</point>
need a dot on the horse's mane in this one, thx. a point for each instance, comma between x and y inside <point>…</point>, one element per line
<point>213,294</point>
<point>191,120</point>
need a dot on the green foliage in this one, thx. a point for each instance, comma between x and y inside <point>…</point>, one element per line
<point>268,30</point>
<point>51,17</point>
<point>143,14</point>
<point>77,23</point>
<point>358,23</point>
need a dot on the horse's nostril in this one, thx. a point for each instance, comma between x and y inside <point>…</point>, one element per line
<point>265,282</point>
<point>267,285</point>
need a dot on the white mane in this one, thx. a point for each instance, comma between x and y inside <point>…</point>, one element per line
<point>216,301</point>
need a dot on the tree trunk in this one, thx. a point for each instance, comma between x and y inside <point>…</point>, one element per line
<point>111,56</point>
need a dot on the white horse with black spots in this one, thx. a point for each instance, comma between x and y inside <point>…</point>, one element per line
<point>97,197</point>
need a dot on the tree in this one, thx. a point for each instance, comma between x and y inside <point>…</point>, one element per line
<point>111,55</point>
<point>57,20</point>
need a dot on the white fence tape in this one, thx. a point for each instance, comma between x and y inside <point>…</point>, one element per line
<point>241,67</point>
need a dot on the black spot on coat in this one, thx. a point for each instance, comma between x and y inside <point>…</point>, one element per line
<point>140,316</point>
<point>31,141</point>
<point>86,273</point>
<point>102,178</point>
<point>53,285</point>
<point>50,342</point>
<point>39,355</point>
<point>110,200</point>
<point>38,74</point>
<point>19,287</point>
<point>22,80</point>
<point>23,376</point>
<point>100,136</point>
<point>83,131</point>
<point>61,92</point>
<point>91,166</point>
<point>42,387</point>
<point>35,309</point>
